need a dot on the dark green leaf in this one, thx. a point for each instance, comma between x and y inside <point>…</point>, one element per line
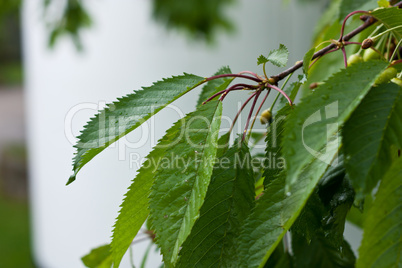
<point>321,254</point>
<point>273,215</point>
<point>390,17</point>
<point>98,258</point>
<point>314,137</point>
<point>126,114</point>
<point>382,238</point>
<point>229,200</point>
<point>372,137</point>
<point>215,85</point>
<point>182,179</point>
<point>325,212</point>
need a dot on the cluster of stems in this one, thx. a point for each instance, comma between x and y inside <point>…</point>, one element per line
<point>270,83</point>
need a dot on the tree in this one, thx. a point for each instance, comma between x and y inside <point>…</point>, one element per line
<point>209,202</point>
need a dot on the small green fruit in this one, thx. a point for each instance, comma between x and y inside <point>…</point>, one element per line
<point>370,54</point>
<point>266,116</point>
<point>386,76</point>
<point>355,58</point>
<point>397,81</point>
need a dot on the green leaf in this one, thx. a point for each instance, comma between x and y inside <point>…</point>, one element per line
<point>134,209</point>
<point>229,200</point>
<point>320,253</point>
<point>390,17</point>
<point>348,6</point>
<point>98,258</point>
<point>307,60</point>
<point>383,3</point>
<point>382,238</point>
<point>126,114</point>
<point>372,136</point>
<point>215,85</point>
<point>274,161</point>
<point>182,179</point>
<point>314,137</point>
<point>263,229</point>
<point>279,57</point>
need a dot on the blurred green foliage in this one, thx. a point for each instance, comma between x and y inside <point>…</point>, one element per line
<point>10,42</point>
<point>199,18</point>
<point>14,234</point>
<point>73,19</point>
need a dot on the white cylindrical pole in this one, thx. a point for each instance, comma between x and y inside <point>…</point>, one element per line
<point>125,49</point>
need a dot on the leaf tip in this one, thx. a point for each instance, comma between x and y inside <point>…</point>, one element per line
<point>71,179</point>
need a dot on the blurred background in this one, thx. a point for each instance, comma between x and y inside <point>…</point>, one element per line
<point>59,56</point>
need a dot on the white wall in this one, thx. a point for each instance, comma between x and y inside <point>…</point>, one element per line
<point>124,50</point>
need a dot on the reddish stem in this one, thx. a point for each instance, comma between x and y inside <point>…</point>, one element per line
<point>253,74</point>
<point>352,43</point>
<point>345,60</point>
<point>241,109</point>
<point>263,101</point>
<point>250,113</point>
<point>315,60</point>
<point>236,87</point>
<point>346,18</point>
<point>280,91</point>
<point>233,75</point>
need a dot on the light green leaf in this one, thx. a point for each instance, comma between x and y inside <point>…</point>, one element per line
<point>321,253</point>
<point>372,137</point>
<point>348,6</point>
<point>382,238</point>
<point>314,137</point>
<point>390,17</point>
<point>182,179</point>
<point>215,85</point>
<point>126,114</point>
<point>383,3</point>
<point>98,258</point>
<point>307,60</point>
<point>279,57</point>
<point>228,202</point>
